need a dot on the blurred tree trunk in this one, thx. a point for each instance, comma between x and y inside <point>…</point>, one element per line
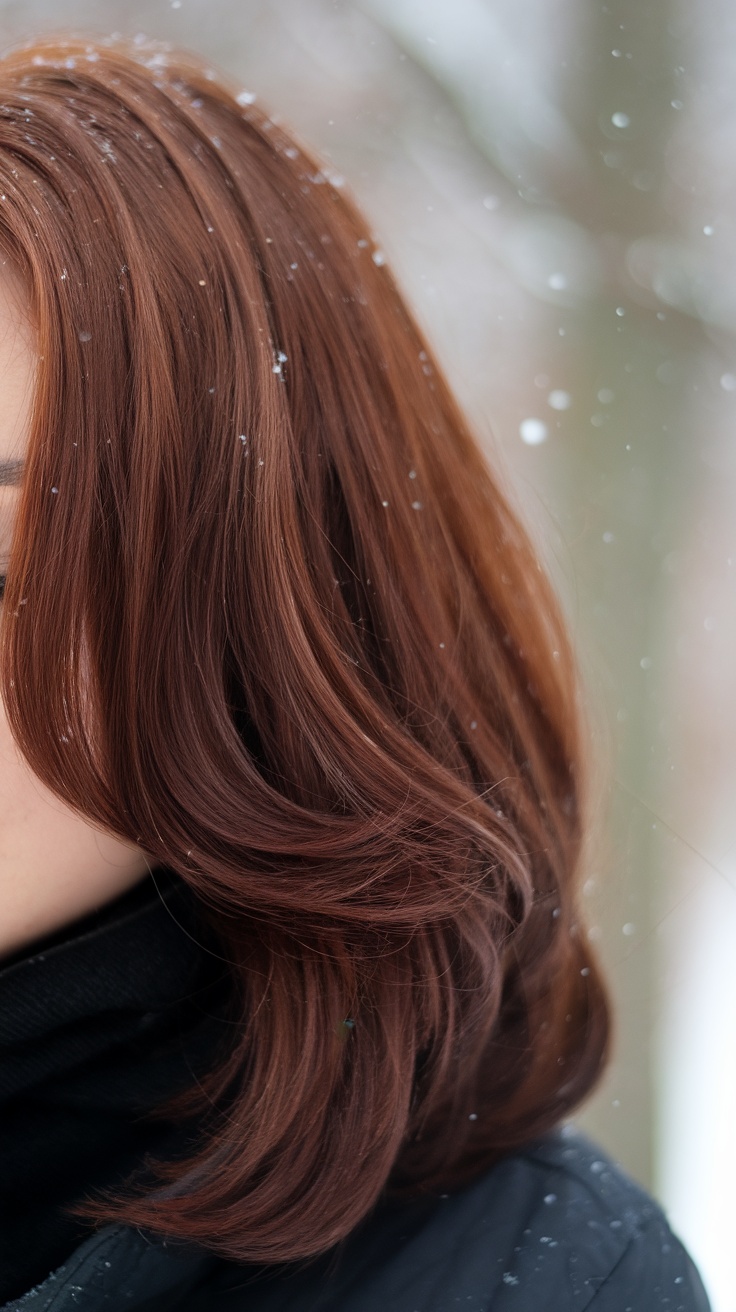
<point>622,492</point>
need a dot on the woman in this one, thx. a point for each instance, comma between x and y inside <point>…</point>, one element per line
<point>294,991</point>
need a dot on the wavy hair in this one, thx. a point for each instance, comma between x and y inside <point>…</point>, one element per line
<point>301,650</point>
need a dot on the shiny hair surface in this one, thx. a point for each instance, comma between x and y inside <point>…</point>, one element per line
<point>301,650</point>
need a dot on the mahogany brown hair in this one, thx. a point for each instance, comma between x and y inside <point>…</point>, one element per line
<point>269,615</point>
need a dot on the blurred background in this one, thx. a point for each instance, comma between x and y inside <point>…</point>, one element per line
<point>553,186</point>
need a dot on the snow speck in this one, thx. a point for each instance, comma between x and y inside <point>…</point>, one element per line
<point>379,258</point>
<point>243,437</point>
<point>384,503</point>
<point>473,1116</point>
<point>245,97</point>
<point>176,4</point>
<point>491,202</point>
<point>84,336</point>
<point>474,724</point>
<point>550,1198</point>
<point>416,505</point>
<point>54,489</point>
<point>728,382</point>
<point>606,396</point>
<point>557,281</point>
<point>620,311</point>
<point>597,1167</point>
<point>708,230</point>
<point>608,537</point>
<point>508,1279</point>
<point>646,662</point>
<point>585,970</point>
<point>620,120</point>
<point>628,929</point>
<point>532,431</point>
<point>412,473</point>
<point>559,400</point>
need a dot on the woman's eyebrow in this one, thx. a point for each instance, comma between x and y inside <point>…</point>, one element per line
<point>10,472</point>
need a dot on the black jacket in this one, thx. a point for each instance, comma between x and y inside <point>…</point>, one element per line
<point>557,1227</point>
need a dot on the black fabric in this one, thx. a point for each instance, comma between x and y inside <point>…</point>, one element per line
<point>99,1023</point>
<point>556,1227</point>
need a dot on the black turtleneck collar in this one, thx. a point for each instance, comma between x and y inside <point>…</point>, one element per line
<point>99,1023</point>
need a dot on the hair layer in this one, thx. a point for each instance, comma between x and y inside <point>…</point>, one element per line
<point>269,616</point>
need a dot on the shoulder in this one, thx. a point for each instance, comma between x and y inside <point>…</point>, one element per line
<point>577,1232</point>
<point>554,1227</point>
<point>596,1233</point>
